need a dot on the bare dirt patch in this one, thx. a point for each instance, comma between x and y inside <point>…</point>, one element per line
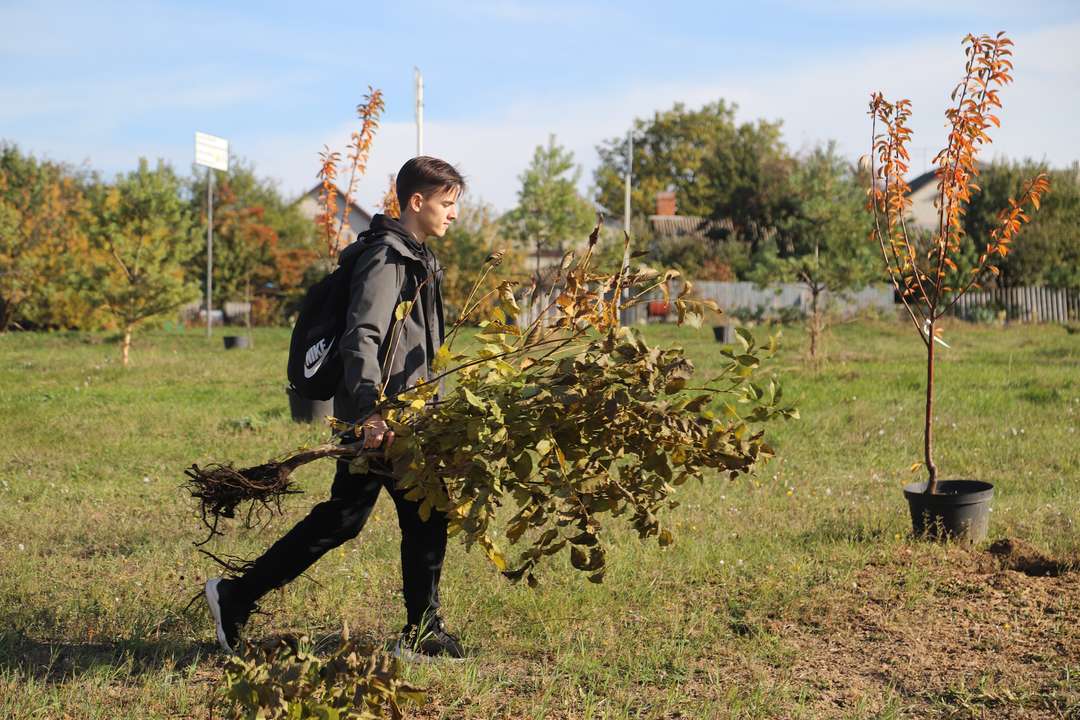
<point>971,634</point>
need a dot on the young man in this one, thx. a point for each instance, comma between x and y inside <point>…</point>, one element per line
<point>392,264</point>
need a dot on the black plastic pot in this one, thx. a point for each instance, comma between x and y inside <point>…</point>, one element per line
<point>724,333</point>
<point>305,410</point>
<point>237,342</point>
<point>960,510</point>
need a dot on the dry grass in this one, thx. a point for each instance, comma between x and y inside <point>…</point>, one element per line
<point>794,594</point>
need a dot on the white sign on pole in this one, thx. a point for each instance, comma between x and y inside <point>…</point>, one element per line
<point>211,151</point>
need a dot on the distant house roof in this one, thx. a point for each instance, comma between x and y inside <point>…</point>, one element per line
<point>687,225</point>
<point>923,194</point>
<point>355,217</point>
<point>921,181</point>
<point>315,191</point>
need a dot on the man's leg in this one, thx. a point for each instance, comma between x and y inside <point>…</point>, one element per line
<point>328,525</point>
<point>423,548</point>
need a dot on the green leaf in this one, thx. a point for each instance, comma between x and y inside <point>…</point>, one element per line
<point>697,403</point>
<point>523,466</point>
<point>586,538</point>
<point>674,385</point>
<point>473,399</point>
<point>543,447</point>
<point>745,338</point>
<point>578,558</point>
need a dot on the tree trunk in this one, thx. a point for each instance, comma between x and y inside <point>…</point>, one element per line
<point>815,321</point>
<point>125,348</point>
<point>247,293</point>
<point>928,436</point>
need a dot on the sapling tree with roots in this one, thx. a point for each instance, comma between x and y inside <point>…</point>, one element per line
<point>567,421</point>
<point>927,269</point>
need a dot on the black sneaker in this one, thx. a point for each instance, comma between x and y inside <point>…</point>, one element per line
<point>228,611</point>
<point>427,642</point>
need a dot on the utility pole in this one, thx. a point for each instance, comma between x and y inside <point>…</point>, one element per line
<point>209,247</point>
<point>629,174</point>
<point>419,82</point>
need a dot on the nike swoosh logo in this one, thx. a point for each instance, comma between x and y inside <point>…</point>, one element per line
<point>313,367</point>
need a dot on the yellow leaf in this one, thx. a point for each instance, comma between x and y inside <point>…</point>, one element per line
<point>442,359</point>
<point>494,555</point>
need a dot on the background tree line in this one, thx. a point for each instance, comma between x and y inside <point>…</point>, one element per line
<point>769,204</point>
<point>83,252</point>
<point>78,251</point>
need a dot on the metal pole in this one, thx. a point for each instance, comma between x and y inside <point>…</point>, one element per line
<point>419,111</point>
<point>624,316</point>
<point>629,173</point>
<point>209,246</point>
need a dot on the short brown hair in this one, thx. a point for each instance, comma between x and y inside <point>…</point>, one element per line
<point>425,175</point>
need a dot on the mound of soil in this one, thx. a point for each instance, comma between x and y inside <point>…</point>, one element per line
<point>1015,554</point>
<point>967,634</point>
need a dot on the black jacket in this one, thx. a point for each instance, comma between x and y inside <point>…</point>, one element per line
<point>389,267</point>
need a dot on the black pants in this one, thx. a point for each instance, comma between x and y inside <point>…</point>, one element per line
<point>331,523</point>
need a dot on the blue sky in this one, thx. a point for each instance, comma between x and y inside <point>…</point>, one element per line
<point>104,83</point>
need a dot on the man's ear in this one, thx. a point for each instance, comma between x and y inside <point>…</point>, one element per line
<point>416,201</point>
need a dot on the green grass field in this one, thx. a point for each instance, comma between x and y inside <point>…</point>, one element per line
<point>796,593</point>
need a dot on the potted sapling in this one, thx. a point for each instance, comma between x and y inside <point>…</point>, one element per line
<point>927,269</point>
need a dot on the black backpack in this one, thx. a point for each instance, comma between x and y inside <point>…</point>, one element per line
<point>315,367</point>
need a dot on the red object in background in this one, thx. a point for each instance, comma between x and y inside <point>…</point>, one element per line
<point>658,308</point>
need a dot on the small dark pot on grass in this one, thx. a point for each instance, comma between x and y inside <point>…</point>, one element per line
<point>960,510</point>
<point>724,333</point>
<point>305,410</point>
<point>237,342</point>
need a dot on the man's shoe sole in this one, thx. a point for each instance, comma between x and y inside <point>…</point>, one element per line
<point>211,593</point>
<point>412,656</point>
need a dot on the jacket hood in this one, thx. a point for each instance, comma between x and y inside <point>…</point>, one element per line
<point>390,231</point>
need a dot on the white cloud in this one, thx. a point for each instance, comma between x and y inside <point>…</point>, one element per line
<point>818,100</point>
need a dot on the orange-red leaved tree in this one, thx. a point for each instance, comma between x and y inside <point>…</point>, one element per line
<point>331,228</point>
<point>923,268</point>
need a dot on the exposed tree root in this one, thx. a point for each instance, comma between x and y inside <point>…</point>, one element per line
<point>221,488</point>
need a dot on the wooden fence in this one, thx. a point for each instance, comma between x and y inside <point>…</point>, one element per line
<point>731,296</point>
<point>1022,304</point>
<point>771,299</point>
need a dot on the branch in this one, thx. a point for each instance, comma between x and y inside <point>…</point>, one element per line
<point>879,234</point>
